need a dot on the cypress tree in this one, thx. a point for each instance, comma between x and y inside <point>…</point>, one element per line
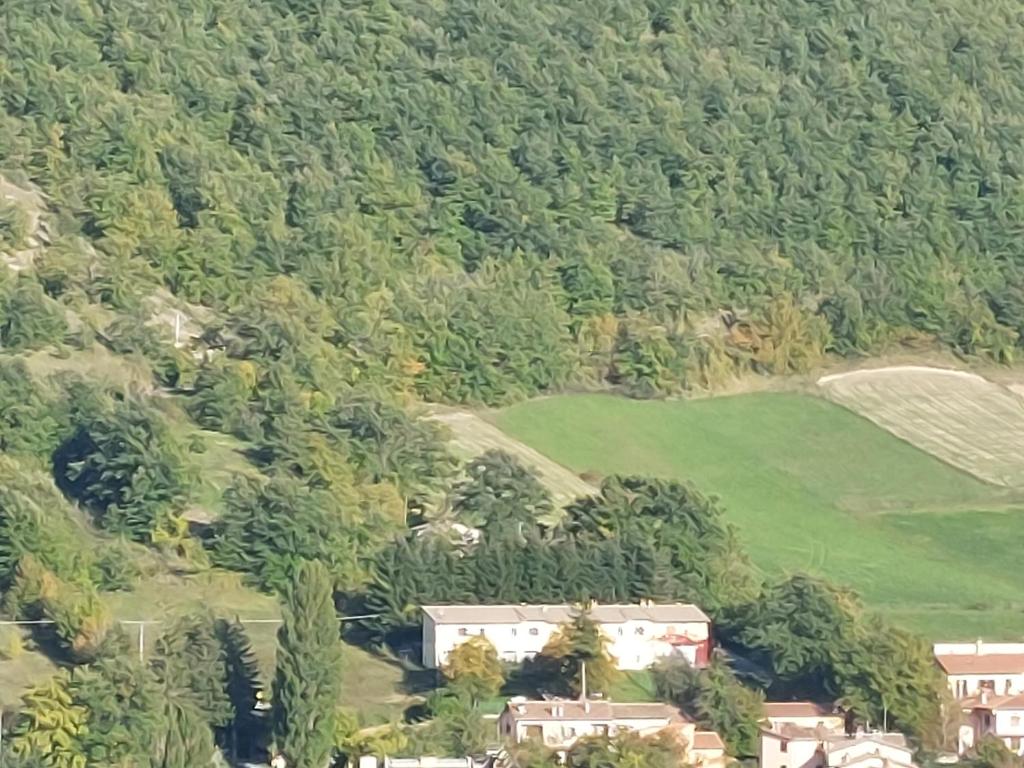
<point>308,678</point>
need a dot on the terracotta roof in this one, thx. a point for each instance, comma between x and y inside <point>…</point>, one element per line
<point>558,614</point>
<point>595,712</point>
<point>993,703</point>
<point>892,739</point>
<point>781,709</point>
<point>870,759</point>
<point>707,740</point>
<point>983,664</point>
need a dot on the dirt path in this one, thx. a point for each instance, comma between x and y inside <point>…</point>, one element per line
<point>473,435</point>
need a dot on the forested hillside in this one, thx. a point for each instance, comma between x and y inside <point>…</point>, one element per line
<point>476,201</point>
<point>242,242</point>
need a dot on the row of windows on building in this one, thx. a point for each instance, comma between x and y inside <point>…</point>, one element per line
<point>639,631</point>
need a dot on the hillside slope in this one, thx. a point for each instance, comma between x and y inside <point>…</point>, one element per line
<point>476,201</point>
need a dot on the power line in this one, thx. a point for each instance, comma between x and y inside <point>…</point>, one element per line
<point>142,623</point>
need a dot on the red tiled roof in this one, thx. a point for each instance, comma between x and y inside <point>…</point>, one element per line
<point>992,702</point>
<point>707,740</point>
<point>983,664</point>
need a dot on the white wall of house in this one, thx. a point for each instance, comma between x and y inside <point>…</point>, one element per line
<point>847,754</point>
<point>634,644</point>
<point>972,685</point>
<point>776,752</point>
<point>562,734</point>
<point>1005,724</point>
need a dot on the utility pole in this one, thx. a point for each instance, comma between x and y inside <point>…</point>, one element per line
<point>583,686</point>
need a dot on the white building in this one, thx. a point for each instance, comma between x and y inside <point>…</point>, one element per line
<point>638,634</point>
<point>797,748</point>
<point>560,723</point>
<point>802,734</point>
<point>369,761</point>
<point>992,715</point>
<point>971,668</point>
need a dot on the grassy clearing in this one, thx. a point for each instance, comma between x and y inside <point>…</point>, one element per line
<point>21,672</point>
<point>373,685</point>
<point>813,487</point>
<point>634,685</point>
<point>97,364</point>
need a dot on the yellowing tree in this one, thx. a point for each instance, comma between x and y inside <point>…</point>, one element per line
<point>475,668</point>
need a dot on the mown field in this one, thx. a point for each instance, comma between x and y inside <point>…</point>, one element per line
<point>813,487</point>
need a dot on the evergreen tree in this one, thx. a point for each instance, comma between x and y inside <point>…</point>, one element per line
<point>128,467</point>
<point>498,494</point>
<point>307,682</point>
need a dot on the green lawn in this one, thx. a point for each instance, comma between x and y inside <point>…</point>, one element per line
<point>813,487</point>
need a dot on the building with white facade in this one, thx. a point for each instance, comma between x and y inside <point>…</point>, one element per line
<point>971,668</point>
<point>638,635</point>
<point>560,723</point>
<point>794,748</point>
<point>1001,717</point>
<point>803,734</point>
<point>369,761</point>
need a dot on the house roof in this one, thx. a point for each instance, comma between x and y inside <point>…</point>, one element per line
<point>559,614</point>
<point>993,703</point>
<point>783,709</point>
<point>869,759</point>
<point>593,711</point>
<point>842,742</point>
<point>707,740</point>
<point>981,664</point>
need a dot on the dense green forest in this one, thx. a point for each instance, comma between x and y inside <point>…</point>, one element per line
<point>477,201</point>
<point>272,230</point>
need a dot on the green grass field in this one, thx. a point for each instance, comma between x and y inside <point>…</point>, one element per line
<point>812,487</point>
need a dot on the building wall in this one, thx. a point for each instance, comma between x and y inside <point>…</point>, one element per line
<point>891,752</point>
<point>776,752</point>
<point>429,643</point>
<point>971,685</point>
<point>1008,725</point>
<point>634,644</point>
<point>564,733</point>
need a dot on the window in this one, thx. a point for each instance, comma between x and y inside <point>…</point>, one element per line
<point>513,631</point>
<point>783,746</point>
<point>463,631</point>
<point>1015,721</point>
<point>620,631</point>
<point>534,631</point>
<point>482,632</point>
<point>640,631</point>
